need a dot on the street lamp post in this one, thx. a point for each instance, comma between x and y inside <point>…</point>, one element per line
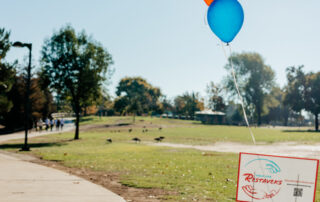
<point>25,147</point>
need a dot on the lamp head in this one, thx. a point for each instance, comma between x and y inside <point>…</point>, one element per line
<point>21,45</point>
<point>18,44</point>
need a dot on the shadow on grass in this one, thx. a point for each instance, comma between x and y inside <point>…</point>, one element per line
<point>300,131</point>
<point>118,125</point>
<point>84,119</point>
<point>32,145</point>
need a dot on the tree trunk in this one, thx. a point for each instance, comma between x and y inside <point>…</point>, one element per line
<point>259,117</point>
<point>316,122</point>
<point>76,136</point>
<point>286,120</point>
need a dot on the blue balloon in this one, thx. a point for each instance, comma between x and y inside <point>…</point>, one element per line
<point>225,18</point>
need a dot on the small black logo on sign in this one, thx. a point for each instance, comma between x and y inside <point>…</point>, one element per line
<point>297,192</point>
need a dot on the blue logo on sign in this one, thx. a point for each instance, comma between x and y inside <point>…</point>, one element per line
<point>267,164</point>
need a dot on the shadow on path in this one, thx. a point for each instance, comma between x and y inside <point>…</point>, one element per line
<point>300,131</point>
<point>32,145</point>
<point>5,131</point>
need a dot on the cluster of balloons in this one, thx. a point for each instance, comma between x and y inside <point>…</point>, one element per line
<point>225,18</point>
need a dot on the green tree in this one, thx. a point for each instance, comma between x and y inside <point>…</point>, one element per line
<point>7,74</point>
<point>14,118</point>
<point>255,80</point>
<point>234,114</point>
<point>76,67</point>
<point>188,103</point>
<point>215,101</point>
<point>275,109</point>
<point>295,89</point>
<point>105,106</point>
<point>166,105</point>
<point>313,96</point>
<point>136,96</point>
<point>49,106</point>
<point>302,92</point>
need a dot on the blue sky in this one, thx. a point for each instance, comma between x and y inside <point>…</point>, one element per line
<point>168,42</point>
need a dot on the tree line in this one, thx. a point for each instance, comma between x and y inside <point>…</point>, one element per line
<point>74,71</point>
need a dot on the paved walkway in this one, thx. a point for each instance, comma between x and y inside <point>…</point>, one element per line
<point>21,134</point>
<point>29,182</point>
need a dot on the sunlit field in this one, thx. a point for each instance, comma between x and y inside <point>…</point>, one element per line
<point>186,174</point>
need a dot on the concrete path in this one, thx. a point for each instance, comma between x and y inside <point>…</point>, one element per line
<point>24,181</point>
<point>29,182</point>
<point>20,135</point>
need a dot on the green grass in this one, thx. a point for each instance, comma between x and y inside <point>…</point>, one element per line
<point>113,120</point>
<point>187,174</point>
<point>212,134</point>
<point>192,132</point>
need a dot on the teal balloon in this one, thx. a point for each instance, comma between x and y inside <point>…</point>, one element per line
<point>225,18</point>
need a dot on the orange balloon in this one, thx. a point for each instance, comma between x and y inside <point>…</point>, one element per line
<point>208,2</point>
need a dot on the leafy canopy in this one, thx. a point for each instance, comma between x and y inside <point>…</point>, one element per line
<point>75,66</point>
<point>255,79</point>
<point>136,95</point>
<point>7,74</point>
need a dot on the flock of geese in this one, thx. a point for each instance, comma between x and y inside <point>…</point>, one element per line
<point>136,139</point>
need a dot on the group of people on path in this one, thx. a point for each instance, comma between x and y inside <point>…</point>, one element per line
<point>50,124</point>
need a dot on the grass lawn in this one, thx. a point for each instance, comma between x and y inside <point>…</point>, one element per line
<point>192,132</point>
<point>187,175</point>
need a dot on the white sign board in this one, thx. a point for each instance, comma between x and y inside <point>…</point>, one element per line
<point>276,178</point>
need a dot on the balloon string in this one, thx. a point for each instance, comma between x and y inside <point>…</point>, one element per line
<point>238,91</point>
<point>205,18</point>
<point>244,111</point>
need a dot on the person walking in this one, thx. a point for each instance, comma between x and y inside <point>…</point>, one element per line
<point>35,125</point>
<point>40,123</point>
<point>47,124</point>
<point>61,123</point>
<point>57,124</point>
<point>51,124</point>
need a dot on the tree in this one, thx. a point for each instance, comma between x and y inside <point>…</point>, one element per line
<point>215,101</point>
<point>255,80</point>
<point>41,100</point>
<point>188,103</point>
<point>7,74</point>
<point>166,105</point>
<point>76,67</point>
<point>136,96</point>
<point>302,92</point>
<point>313,96</point>
<point>14,118</point>
<point>275,109</point>
<point>295,89</point>
<point>106,106</point>
<point>234,113</point>
<point>48,106</point>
